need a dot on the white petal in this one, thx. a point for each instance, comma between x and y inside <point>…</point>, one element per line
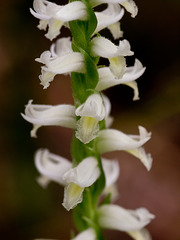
<point>131,7</point>
<point>93,107</point>
<point>111,15</point>
<point>98,2</point>
<point>88,234</point>
<point>85,174</point>
<point>103,47</point>
<point>111,171</point>
<point>115,30</point>
<point>72,11</point>
<point>46,115</point>
<point>118,218</point>
<point>142,234</point>
<point>51,166</point>
<point>61,47</point>
<point>113,140</point>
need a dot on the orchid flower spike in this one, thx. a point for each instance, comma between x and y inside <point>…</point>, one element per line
<point>131,221</point>
<point>60,170</point>
<point>91,112</point>
<point>46,115</point>
<point>107,79</point>
<point>112,140</point>
<point>55,16</point>
<point>59,60</point>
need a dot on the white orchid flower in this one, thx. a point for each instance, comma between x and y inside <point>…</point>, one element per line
<point>107,79</point>
<point>47,115</point>
<point>111,172</point>
<point>129,5</point>
<point>112,140</point>
<point>110,18</point>
<point>91,112</point>
<point>59,60</point>
<point>118,218</point>
<point>88,234</point>
<point>60,170</point>
<point>55,16</point>
<point>102,47</point>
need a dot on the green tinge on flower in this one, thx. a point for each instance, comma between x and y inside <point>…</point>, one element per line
<point>118,218</point>
<point>117,66</point>
<point>91,112</point>
<point>115,30</point>
<point>88,234</point>
<point>72,196</point>
<point>47,115</point>
<point>55,16</point>
<point>142,234</point>
<point>87,129</point>
<point>113,140</point>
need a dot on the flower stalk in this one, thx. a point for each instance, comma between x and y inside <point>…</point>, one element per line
<point>89,180</point>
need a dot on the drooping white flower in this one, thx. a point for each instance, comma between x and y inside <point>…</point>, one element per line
<point>129,5</point>
<point>107,79</point>
<point>110,17</point>
<point>91,112</point>
<point>55,16</point>
<point>118,218</point>
<point>59,60</point>
<point>60,170</point>
<point>111,172</point>
<point>47,115</point>
<point>88,234</point>
<point>101,46</point>
<point>112,140</point>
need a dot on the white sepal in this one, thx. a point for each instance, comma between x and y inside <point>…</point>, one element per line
<point>113,140</point>
<point>131,7</point>
<point>47,115</point>
<point>110,16</point>
<point>102,47</point>
<point>118,218</point>
<point>142,234</point>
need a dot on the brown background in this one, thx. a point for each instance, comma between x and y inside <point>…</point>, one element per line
<point>28,211</point>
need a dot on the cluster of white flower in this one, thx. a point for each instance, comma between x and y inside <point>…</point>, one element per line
<point>85,118</point>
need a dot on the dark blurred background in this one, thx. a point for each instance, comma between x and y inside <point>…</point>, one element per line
<point>26,210</point>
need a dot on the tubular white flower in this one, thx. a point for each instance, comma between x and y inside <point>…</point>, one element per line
<point>88,234</point>
<point>101,46</point>
<point>111,172</point>
<point>111,15</point>
<point>84,175</point>
<point>59,60</point>
<point>55,16</point>
<point>91,112</point>
<point>107,79</point>
<point>51,167</point>
<point>113,140</point>
<point>118,218</point>
<point>47,115</point>
<point>142,234</point>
